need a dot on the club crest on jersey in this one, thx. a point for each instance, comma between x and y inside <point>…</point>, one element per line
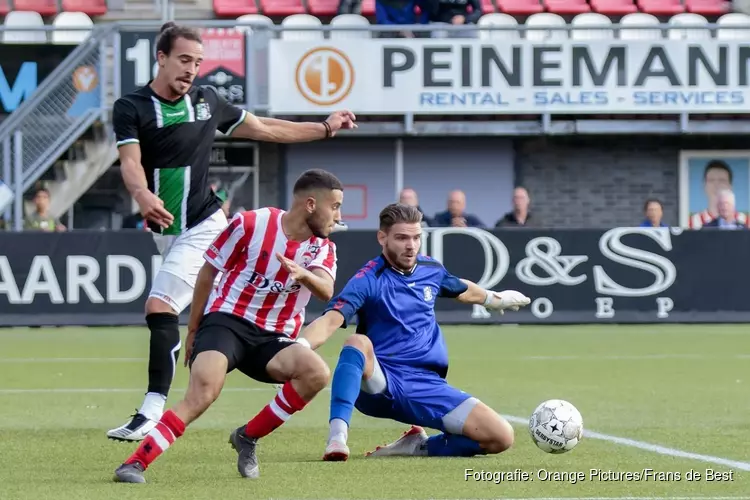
<point>428,294</point>
<point>310,254</point>
<point>202,111</point>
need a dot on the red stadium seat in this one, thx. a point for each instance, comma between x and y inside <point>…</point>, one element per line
<point>661,7</point>
<point>488,7</point>
<point>613,7</point>
<point>368,7</point>
<point>708,7</point>
<point>282,7</point>
<point>44,7</point>
<point>4,7</point>
<point>567,6</point>
<point>90,7</point>
<point>323,7</point>
<point>235,7</point>
<point>519,7</point>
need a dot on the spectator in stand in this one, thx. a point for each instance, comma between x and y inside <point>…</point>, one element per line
<point>40,219</point>
<point>456,215</point>
<point>409,197</point>
<point>520,215</point>
<point>397,12</point>
<point>456,12</point>
<point>727,218</point>
<point>350,7</point>
<point>716,177</point>
<point>654,212</point>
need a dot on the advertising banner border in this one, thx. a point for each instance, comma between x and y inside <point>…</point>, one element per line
<point>621,275</point>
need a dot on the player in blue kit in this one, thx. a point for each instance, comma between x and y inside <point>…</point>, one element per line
<point>395,365</point>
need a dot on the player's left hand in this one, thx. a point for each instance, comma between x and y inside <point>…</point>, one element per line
<point>296,272</point>
<point>341,120</point>
<point>507,299</point>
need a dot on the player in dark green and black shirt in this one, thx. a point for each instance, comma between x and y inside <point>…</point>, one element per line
<point>165,132</point>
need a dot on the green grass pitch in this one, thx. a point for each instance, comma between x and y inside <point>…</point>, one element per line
<point>648,395</point>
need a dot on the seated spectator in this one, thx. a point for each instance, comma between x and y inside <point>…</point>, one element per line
<point>520,215</point>
<point>409,197</point>
<point>40,220</point>
<point>654,211</point>
<point>399,12</point>
<point>349,7</point>
<point>456,215</point>
<point>456,12</point>
<point>727,218</point>
<point>134,221</point>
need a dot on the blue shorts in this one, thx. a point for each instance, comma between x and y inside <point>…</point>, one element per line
<point>413,396</point>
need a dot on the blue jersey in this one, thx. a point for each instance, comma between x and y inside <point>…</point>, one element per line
<point>396,310</point>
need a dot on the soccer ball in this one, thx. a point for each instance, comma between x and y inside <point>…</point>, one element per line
<point>556,426</point>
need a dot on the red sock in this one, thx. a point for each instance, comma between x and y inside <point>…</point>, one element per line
<point>169,428</point>
<point>275,413</point>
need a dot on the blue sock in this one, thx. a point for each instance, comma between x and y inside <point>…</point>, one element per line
<point>347,379</point>
<point>452,445</point>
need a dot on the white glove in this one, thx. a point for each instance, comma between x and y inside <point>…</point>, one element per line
<point>508,299</point>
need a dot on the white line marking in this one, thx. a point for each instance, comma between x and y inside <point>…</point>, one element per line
<point>96,390</point>
<point>72,360</point>
<point>642,445</point>
<point>624,357</point>
<point>654,448</point>
<point>633,357</point>
<point>597,498</point>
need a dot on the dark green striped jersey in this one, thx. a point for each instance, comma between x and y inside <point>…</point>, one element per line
<point>176,138</point>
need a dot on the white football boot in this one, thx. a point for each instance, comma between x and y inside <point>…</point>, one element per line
<point>408,445</point>
<point>133,430</point>
<point>336,451</point>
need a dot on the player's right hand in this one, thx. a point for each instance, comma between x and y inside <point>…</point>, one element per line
<point>152,209</point>
<point>507,299</point>
<point>189,341</point>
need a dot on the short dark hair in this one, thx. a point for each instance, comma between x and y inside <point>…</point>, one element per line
<point>170,32</point>
<point>720,164</point>
<point>650,201</point>
<point>317,179</point>
<point>397,213</point>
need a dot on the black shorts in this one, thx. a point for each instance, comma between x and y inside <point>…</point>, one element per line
<point>247,347</point>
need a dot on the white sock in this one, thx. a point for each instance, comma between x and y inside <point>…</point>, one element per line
<point>153,405</point>
<point>339,431</point>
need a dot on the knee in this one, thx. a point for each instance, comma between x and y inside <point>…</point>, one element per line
<point>361,343</point>
<point>202,394</point>
<point>500,438</point>
<point>314,371</point>
<point>158,306</point>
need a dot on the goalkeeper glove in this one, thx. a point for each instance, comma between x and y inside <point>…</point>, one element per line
<point>508,299</point>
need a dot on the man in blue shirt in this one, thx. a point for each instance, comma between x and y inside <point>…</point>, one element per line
<point>395,366</point>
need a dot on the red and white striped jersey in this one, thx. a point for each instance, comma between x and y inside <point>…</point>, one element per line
<point>254,286</point>
<point>698,220</point>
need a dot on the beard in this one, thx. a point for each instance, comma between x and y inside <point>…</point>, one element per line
<point>316,227</point>
<point>401,262</point>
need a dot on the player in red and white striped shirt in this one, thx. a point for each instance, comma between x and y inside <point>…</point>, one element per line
<point>272,262</point>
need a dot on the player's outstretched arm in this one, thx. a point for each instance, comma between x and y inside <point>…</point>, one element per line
<point>283,131</point>
<point>494,301</point>
<point>319,331</point>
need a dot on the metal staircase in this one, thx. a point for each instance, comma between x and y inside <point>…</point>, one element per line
<point>45,126</point>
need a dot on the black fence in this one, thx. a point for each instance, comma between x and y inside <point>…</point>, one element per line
<point>624,275</point>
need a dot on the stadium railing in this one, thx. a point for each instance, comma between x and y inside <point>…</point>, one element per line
<point>41,130</point>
